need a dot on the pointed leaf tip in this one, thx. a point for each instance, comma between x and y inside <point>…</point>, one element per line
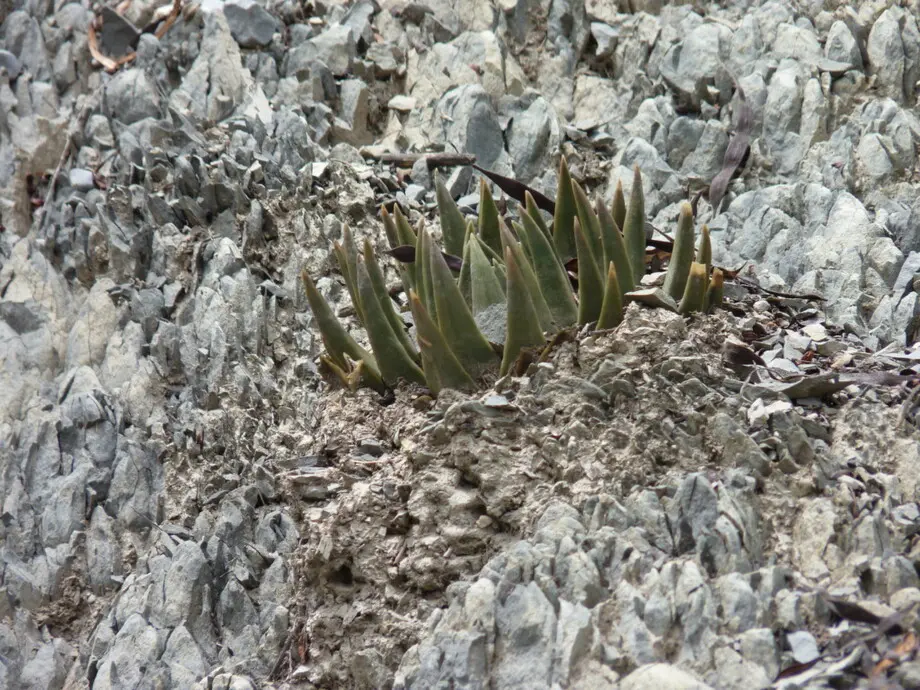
<point>441,366</point>
<point>564,216</point>
<point>612,308</point>
<point>523,323</point>
<point>695,292</point>
<point>590,286</point>
<point>634,228</point>
<point>682,254</point>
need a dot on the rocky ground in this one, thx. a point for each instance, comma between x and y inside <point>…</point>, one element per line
<point>187,502</point>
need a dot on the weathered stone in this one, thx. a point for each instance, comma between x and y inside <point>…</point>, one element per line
<point>842,46</point>
<point>662,676</point>
<point>250,24</point>
<point>118,36</point>
<point>130,96</point>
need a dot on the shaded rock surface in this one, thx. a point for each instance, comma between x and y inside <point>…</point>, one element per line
<point>187,503</point>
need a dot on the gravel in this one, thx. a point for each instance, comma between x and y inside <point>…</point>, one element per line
<point>189,503</point>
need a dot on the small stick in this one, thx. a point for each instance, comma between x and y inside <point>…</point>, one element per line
<point>434,160</point>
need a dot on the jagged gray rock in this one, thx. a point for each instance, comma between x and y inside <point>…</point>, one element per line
<point>642,518</point>
<point>250,23</point>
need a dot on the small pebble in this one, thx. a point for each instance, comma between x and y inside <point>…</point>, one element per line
<point>81,179</point>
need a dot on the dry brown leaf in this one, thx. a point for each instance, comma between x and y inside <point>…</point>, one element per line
<point>736,151</point>
<point>107,63</point>
<point>171,19</point>
<point>905,648</point>
<point>111,65</point>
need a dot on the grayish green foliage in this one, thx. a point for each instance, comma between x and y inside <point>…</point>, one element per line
<point>521,274</point>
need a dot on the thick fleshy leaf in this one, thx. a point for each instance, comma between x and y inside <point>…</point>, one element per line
<point>441,366</point>
<point>533,210</point>
<point>523,323</point>
<point>590,287</point>
<point>615,249</point>
<point>714,295</point>
<point>488,218</point>
<point>590,225</point>
<point>465,282</point>
<point>404,231</point>
<point>348,275</point>
<point>394,362</point>
<point>486,289</point>
<point>423,272</point>
<point>455,319</point>
<point>386,303</point>
<point>350,251</point>
<point>389,227</point>
<point>618,206</point>
<point>564,218</point>
<point>634,228</point>
<point>453,224</point>
<point>695,291</point>
<point>682,255</point>
<point>704,251</point>
<point>530,280</point>
<point>405,237</point>
<point>612,308</point>
<point>553,280</point>
<point>336,339</point>
<point>500,273</point>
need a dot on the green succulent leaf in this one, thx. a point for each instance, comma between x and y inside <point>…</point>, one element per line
<point>523,323</point>
<point>453,224</point>
<point>618,206</point>
<point>455,319</point>
<point>590,224</point>
<point>394,361</point>
<point>404,232</point>
<point>350,251</point>
<point>634,228</point>
<point>612,307</point>
<point>348,276</point>
<point>500,273</point>
<point>532,210</point>
<point>441,366</point>
<point>336,339</point>
<point>681,255</point>
<point>465,282</point>
<point>590,287</point>
<point>704,251</point>
<point>551,275</point>
<point>346,254</point>
<point>714,295</point>
<point>486,288</point>
<point>423,272</point>
<point>564,218</point>
<point>389,227</point>
<point>530,280</point>
<point>695,291</point>
<point>383,298</point>
<point>615,249</point>
<point>398,237</point>
<point>488,218</point>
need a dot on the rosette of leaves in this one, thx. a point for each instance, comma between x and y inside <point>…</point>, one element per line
<point>475,313</point>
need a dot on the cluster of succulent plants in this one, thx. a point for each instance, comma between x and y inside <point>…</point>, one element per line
<point>496,292</point>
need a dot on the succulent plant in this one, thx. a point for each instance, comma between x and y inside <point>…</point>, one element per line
<point>519,278</point>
